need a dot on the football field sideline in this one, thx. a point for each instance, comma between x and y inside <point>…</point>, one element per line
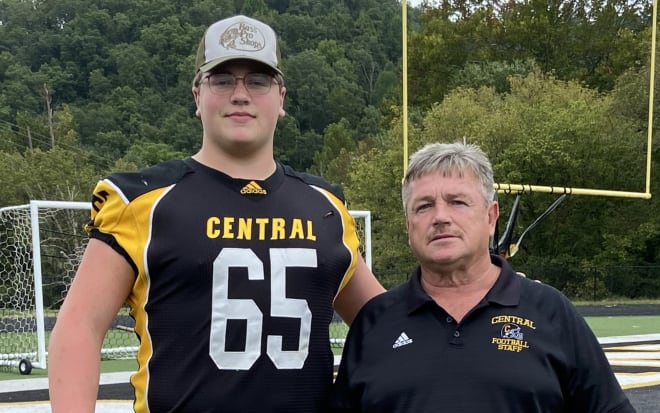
<point>635,360</point>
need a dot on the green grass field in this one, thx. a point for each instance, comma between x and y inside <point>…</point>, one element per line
<point>602,327</point>
<point>624,325</point>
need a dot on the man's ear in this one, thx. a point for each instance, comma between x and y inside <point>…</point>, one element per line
<point>282,95</point>
<point>493,215</point>
<point>407,229</point>
<point>195,92</point>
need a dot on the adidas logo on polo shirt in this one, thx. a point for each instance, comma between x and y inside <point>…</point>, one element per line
<point>253,188</point>
<point>402,340</point>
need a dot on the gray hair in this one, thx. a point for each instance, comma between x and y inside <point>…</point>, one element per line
<point>447,158</point>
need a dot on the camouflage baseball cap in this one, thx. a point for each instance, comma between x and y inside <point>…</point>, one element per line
<point>238,37</point>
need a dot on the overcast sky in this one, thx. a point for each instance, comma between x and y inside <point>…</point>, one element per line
<point>414,2</point>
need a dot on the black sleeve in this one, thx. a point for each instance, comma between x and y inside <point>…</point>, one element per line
<point>591,386</point>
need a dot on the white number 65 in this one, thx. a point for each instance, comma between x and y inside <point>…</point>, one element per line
<point>225,308</point>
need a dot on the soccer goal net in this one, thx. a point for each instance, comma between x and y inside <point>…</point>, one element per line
<point>41,245</point>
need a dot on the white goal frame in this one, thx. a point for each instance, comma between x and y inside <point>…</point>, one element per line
<point>26,359</point>
<point>16,359</point>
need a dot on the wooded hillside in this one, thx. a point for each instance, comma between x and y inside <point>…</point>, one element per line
<point>557,92</point>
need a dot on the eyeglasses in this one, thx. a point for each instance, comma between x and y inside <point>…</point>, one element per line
<point>225,83</point>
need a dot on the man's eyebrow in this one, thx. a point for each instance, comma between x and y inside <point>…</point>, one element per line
<point>464,196</point>
<point>425,197</point>
<point>454,194</point>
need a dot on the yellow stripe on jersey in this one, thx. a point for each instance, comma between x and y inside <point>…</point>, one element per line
<point>130,225</point>
<point>350,238</point>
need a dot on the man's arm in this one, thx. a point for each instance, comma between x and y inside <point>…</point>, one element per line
<point>360,288</point>
<point>100,287</point>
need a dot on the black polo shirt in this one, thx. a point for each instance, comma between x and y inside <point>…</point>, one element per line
<point>523,348</point>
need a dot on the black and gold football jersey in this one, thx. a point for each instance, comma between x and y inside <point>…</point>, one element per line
<point>235,281</point>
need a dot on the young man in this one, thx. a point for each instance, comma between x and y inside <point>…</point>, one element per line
<point>465,333</point>
<point>231,262</point>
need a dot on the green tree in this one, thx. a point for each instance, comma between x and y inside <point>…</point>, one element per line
<point>551,133</point>
<point>54,174</point>
<point>337,137</point>
<point>147,154</point>
<point>309,80</point>
<point>373,183</point>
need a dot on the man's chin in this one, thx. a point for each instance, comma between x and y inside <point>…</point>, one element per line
<point>444,260</point>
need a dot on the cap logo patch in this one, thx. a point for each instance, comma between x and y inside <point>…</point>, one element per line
<point>243,37</point>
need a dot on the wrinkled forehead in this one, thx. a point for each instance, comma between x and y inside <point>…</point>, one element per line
<point>442,182</point>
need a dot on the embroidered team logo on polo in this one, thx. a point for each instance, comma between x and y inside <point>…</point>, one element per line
<point>244,37</point>
<point>511,331</point>
<point>511,336</point>
<point>253,188</point>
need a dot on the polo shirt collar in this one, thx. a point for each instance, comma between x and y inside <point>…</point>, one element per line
<point>505,291</point>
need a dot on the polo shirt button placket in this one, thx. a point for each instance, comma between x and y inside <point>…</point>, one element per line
<point>456,340</point>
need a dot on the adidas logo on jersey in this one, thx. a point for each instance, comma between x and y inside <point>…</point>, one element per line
<point>253,188</point>
<point>402,340</point>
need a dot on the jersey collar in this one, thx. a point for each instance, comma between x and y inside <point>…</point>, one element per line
<point>270,184</point>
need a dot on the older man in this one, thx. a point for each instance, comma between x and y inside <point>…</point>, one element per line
<point>465,333</point>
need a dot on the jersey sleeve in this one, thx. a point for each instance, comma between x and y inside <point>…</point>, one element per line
<point>111,221</point>
<point>122,204</point>
<point>350,236</point>
<point>335,196</point>
<point>317,181</point>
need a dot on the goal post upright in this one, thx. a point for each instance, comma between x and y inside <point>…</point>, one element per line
<point>38,276</point>
<point>38,285</point>
<point>366,215</point>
